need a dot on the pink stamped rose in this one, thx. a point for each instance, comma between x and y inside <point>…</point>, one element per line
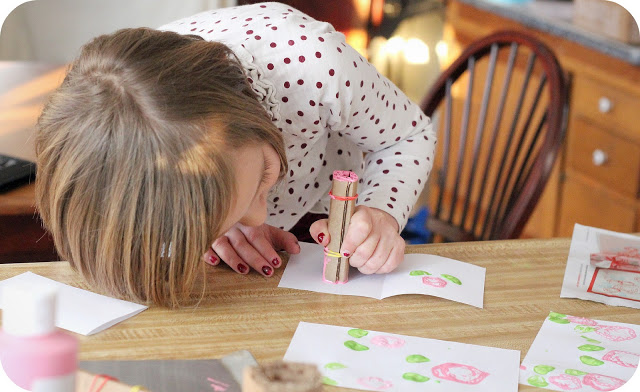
<point>375,383</point>
<point>600,382</point>
<point>582,321</point>
<point>463,374</point>
<point>387,341</point>
<point>615,333</point>
<point>566,382</point>
<point>622,358</point>
<point>434,281</point>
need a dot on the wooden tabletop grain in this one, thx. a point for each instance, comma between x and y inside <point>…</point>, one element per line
<point>523,283</point>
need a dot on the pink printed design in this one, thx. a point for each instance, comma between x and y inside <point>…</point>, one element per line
<point>433,281</point>
<point>615,333</point>
<point>387,341</point>
<point>622,358</point>
<point>463,374</point>
<point>600,382</point>
<point>582,321</point>
<point>566,382</point>
<point>375,383</point>
<point>522,367</point>
<point>346,176</point>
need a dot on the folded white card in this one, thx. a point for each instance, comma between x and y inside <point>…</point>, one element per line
<point>417,274</point>
<point>78,310</point>
<point>379,361</point>
<point>582,279</point>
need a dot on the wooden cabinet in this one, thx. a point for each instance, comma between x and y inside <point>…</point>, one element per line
<point>596,180</point>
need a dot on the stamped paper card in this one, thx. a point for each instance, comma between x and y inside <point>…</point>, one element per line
<point>417,274</point>
<point>579,354</point>
<point>603,266</point>
<point>377,361</point>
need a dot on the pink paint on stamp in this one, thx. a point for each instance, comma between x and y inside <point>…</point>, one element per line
<point>388,341</point>
<point>463,374</point>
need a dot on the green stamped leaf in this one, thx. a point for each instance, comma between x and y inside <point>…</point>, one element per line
<point>355,346</point>
<point>418,273</point>
<point>543,369</point>
<point>591,340</point>
<point>574,372</point>
<point>415,377</point>
<point>452,279</point>
<point>590,347</point>
<point>537,381</point>
<point>558,318</point>
<point>417,358</point>
<point>358,333</point>
<point>328,381</point>
<point>591,361</point>
<point>583,329</point>
<point>334,366</point>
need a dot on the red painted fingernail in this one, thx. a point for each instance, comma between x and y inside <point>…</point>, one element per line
<point>275,262</point>
<point>320,237</point>
<point>242,268</point>
<point>213,260</point>
<point>267,270</point>
<point>346,254</point>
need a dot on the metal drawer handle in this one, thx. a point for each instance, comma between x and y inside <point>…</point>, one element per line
<point>599,157</point>
<point>605,105</point>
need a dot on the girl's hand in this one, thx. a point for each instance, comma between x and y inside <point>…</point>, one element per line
<point>244,246</point>
<point>372,240</point>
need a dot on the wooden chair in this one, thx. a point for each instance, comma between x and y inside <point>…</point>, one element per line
<point>503,108</point>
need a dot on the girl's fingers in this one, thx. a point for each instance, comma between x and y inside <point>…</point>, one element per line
<point>364,252</point>
<point>319,231</point>
<point>257,239</point>
<point>211,258</point>
<point>222,247</point>
<point>359,230</point>
<point>379,256</point>
<point>247,252</point>
<point>284,240</point>
<point>394,260</point>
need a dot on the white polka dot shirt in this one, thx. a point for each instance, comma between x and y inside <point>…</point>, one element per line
<point>335,111</point>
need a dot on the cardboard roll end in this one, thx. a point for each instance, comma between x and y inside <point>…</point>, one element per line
<point>281,376</point>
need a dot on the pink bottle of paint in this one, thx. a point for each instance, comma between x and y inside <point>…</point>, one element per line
<point>34,354</point>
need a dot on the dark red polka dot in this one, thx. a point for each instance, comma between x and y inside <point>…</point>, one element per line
<point>285,99</point>
<point>385,172</point>
<point>249,32</point>
<point>312,103</point>
<point>392,198</point>
<point>379,161</point>
<point>287,60</point>
<point>318,54</point>
<point>270,66</point>
<point>257,37</point>
<point>286,84</point>
<point>274,28</point>
<point>300,113</point>
<point>320,39</point>
<point>339,50</point>
<point>413,123</point>
<point>398,164</point>
<point>394,189</point>
<point>290,42</point>
<point>416,162</point>
<point>332,72</point>
<point>291,191</point>
<point>193,22</point>
<point>301,59</point>
<point>300,82</point>
<point>319,85</point>
<point>389,205</point>
<point>303,37</point>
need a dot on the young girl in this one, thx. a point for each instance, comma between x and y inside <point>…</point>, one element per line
<point>215,135</point>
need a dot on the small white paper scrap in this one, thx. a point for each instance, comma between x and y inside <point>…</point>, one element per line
<point>579,354</point>
<point>78,310</point>
<point>378,361</point>
<point>610,286</point>
<point>417,274</point>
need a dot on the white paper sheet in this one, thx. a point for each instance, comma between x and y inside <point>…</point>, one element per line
<point>579,274</point>
<point>78,310</point>
<point>417,274</point>
<point>579,354</point>
<point>378,361</point>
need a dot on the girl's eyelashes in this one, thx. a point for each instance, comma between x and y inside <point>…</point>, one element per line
<point>265,173</point>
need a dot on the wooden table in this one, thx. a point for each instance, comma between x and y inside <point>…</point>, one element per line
<point>523,284</point>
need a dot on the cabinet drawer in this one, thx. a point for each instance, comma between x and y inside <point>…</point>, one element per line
<point>612,108</point>
<point>587,203</point>
<point>611,160</point>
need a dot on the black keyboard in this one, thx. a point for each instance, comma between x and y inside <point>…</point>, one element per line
<point>15,172</point>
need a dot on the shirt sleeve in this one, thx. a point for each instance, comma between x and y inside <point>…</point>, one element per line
<point>367,109</point>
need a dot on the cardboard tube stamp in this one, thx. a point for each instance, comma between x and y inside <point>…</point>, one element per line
<point>343,199</point>
<point>280,376</point>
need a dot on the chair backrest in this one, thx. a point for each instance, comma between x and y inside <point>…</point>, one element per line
<point>499,137</point>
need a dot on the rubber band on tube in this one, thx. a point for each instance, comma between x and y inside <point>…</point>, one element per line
<point>330,253</point>
<point>343,198</point>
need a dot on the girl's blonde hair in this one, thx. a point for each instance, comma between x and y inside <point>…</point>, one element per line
<point>134,176</point>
